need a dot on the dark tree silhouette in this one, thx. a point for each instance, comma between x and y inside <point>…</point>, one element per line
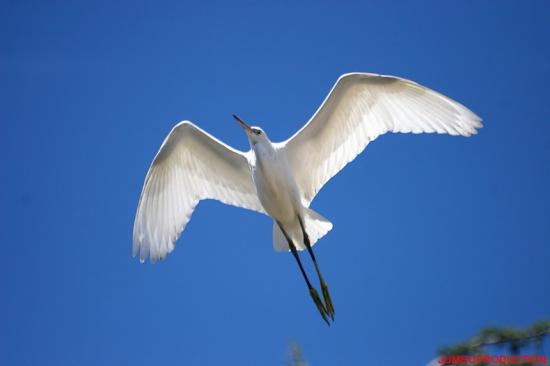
<point>512,340</point>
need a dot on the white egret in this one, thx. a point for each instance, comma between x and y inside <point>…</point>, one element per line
<point>281,179</point>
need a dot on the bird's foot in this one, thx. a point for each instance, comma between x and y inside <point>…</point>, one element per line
<point>328,300</point>
<point>319,303</point>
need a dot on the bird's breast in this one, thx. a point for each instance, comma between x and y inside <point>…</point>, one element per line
<point>276,188</point>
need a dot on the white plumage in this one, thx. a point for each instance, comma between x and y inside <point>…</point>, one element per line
<point>359,108</point>
<point>281,179</point>
<point>191,165</point>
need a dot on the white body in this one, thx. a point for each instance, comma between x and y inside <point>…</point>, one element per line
<point>281,179</point>
<point>275,185</point>
<point>281,198</point>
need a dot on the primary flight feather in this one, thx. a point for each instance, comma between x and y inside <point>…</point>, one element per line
<point>281,179</point>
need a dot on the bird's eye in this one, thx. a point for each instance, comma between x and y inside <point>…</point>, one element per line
<point>257,132</point>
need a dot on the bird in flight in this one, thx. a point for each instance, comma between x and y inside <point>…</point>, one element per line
<point>280,179</point>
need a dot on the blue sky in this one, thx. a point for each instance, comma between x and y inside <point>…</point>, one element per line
<point>434,236</point>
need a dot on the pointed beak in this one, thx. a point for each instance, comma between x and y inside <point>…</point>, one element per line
<point>243,124</point>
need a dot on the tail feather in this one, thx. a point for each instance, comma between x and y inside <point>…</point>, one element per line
<point>316,227</point>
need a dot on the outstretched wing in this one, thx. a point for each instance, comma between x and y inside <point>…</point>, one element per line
<point>191,165</point>
<point>358,109</point>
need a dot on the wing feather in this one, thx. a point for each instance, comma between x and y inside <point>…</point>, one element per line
<point>191,165</point>
<point>359,108</point>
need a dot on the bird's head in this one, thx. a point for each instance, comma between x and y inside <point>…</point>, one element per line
<point>255,134</point>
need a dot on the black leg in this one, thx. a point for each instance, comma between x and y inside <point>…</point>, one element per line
<point>324,287</point>
<point>312,290</point>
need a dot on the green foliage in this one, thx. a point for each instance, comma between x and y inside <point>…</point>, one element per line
<point>511,339</point>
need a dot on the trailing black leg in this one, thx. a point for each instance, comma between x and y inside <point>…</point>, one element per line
<point>312,291</point>
<point>324,288</point>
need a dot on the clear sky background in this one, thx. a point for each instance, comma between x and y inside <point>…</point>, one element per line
<point>434,236</point>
